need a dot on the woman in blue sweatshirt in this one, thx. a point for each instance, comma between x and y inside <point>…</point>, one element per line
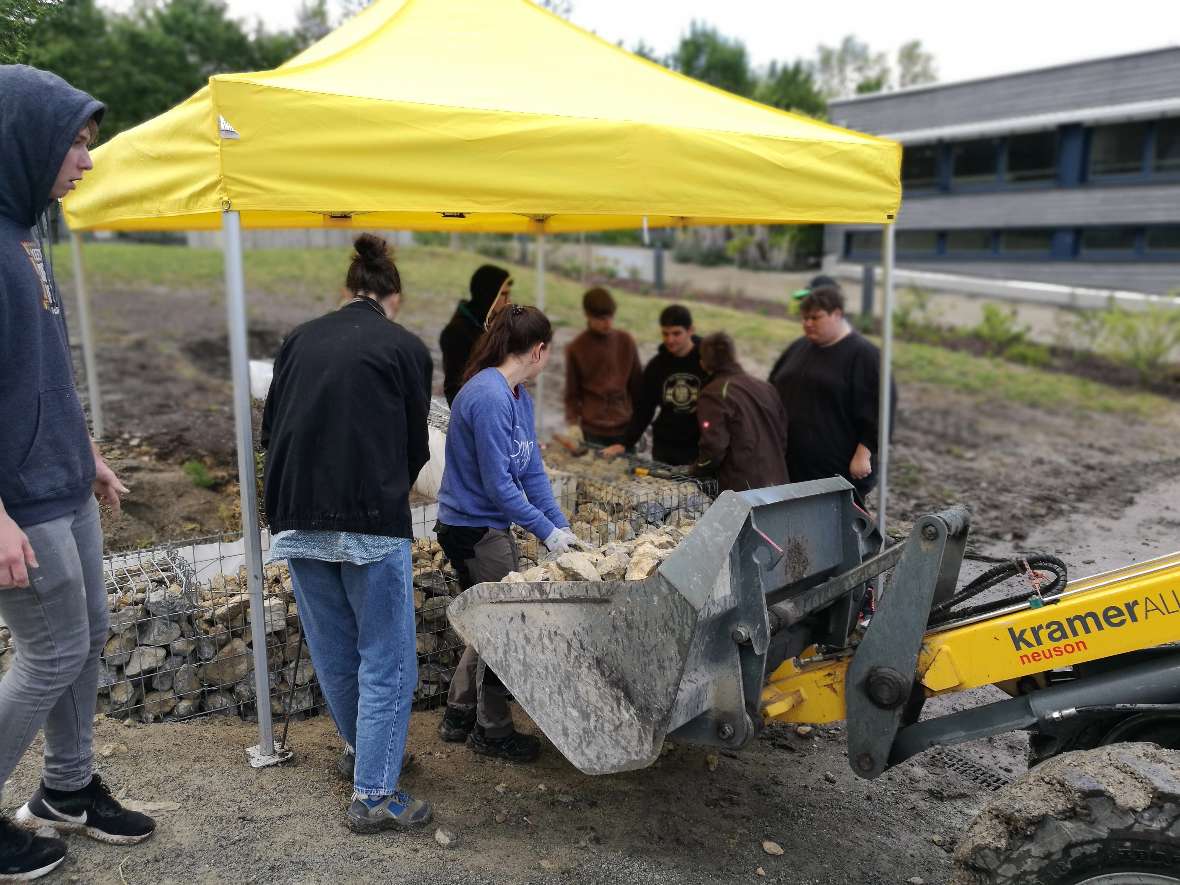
<point>494,478</point>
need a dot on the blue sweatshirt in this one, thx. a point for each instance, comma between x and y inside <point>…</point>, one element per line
<point>46,463</point>
<point>494,475</point>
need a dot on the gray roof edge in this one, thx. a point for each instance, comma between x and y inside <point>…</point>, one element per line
<point>950,84</point>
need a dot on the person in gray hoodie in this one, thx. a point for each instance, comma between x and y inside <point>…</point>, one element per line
<point>52,593</point>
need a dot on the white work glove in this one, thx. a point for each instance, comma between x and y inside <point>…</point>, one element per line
<point>563,541</point>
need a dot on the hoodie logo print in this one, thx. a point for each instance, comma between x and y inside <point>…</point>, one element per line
<point>48,301</point>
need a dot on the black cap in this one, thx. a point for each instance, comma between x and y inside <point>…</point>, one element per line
<point>822,281</point>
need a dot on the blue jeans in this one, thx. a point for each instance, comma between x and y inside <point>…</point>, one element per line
<point>60,625</point>
<point>359,623</point>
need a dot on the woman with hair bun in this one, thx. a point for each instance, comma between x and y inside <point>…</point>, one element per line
<point>494,478</point>
<point>344,429</point>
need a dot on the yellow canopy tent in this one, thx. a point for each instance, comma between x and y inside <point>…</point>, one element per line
<point>466,115</point>
<point>488,115</point>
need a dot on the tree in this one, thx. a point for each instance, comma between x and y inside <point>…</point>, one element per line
<point>705,54</point>
<point>915,66</point>
<point>71,40</point>
<point>852,67</point>
<point>643,50</point>
<point>791,87</point>
<point>311,22</point>
<point>17,20</point>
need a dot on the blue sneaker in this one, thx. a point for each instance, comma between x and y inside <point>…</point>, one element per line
<point>397,812</point>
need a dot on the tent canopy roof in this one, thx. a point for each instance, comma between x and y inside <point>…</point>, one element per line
<point>490,115</point>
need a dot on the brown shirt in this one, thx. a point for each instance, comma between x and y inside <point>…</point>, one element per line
<point>602,376</point>
<point>743,432</point>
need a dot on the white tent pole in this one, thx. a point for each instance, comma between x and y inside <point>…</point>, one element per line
<point>235,305</point>
<point>886,402</point>
<point>98,426</point>
<point>540,402</point>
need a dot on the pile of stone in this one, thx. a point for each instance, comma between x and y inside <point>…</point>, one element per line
<point>630,560</point>
<point>178,648</point>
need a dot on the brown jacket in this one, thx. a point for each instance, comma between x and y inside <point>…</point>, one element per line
<point>743,431</point>
<point>602,377</point>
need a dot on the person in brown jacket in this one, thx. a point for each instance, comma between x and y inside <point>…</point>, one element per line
<point>602,374</point>
<point>742,420</point>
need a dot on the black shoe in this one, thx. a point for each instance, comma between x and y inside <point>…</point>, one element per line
<point>515,747</point>
<point>455,726</point>
<point>24,857</point>
<point>346,765</point>
<point>91,810</point>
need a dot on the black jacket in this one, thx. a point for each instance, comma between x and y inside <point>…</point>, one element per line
<point>672,384</point>
<point>456,342</point>
<point>345,425</point>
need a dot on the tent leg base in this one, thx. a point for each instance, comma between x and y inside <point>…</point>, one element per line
<point>260,759</point>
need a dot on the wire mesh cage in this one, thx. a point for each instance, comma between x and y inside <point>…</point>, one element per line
<point>180,639</point>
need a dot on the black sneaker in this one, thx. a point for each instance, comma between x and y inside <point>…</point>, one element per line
<point>91,810</point>
<point>25,857</point>
<point>456,725</point>
<point>516,747</point>
<point>346,765</point>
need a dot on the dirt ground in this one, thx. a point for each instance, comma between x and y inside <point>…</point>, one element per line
<point>164,369</point>
<point>1097,488</point>
<point>677,822</point>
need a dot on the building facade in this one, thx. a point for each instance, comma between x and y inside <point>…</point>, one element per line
<point>1068,174</point>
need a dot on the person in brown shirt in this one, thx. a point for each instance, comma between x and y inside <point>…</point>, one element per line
<point>742,420</point>
<point>602,374</point>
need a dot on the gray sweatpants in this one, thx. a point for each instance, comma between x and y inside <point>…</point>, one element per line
<point>59,625</point>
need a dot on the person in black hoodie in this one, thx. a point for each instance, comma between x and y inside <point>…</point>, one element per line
<point>672,383</point>
<point>344,428</point>
<point>491,289</point>
<point>52,592</point>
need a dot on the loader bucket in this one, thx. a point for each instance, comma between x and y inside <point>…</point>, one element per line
<point>608,670</point>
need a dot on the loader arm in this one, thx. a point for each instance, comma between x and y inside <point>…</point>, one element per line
<point>1130,613</point>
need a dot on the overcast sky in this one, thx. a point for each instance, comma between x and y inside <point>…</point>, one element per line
<point>968,39</point>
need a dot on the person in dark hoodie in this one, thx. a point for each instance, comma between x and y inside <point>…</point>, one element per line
<point>52,593</point>
<point>743,423</point>
<point>672,383</point>
<point>491,289</point>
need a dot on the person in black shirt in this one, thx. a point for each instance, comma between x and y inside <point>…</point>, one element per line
<point>491,289</point>
<point>672,382</point>
<point>829,381</point>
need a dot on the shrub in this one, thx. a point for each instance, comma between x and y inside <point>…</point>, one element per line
<point>999,329</point>
<point>1028,353</point>
<point>199,474</point>
<point>1142,339</point>
<point>914,316</point>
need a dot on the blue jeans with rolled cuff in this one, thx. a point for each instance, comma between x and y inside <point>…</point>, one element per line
<point>359,623</point>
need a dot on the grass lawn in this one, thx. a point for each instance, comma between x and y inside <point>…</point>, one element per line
<point>434,278</point>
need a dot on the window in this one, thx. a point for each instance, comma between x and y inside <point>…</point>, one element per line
<point>1163,239</point>
<point>968,241</point>
<point>919,166</point>
<point>1032,157</point>
<point>1118,149</point>
<point>1167,145</point>
<point>864,241</point>
<point>975,161</point>
<point>1108,239</point>
<point>1026,240</point>
<point>917,241</point>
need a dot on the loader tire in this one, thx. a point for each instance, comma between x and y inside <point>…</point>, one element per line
<point>1110,815</point>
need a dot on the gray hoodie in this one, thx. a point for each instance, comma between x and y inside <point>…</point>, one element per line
<point>46,465</point>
